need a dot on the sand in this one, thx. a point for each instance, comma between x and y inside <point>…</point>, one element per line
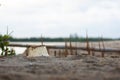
<point>80,67</point>
<point>72,67</point>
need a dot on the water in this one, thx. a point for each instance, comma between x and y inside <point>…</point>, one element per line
<point>20,50</point>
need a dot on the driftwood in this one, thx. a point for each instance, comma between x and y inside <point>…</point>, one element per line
<point>63,47</point>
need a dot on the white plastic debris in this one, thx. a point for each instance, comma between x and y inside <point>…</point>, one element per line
<point>38,51</point>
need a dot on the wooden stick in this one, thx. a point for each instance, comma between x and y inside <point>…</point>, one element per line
<point>103,46</point>
<point>66,50</point>
<point>99,45</point>
<point>93,54</point>
<point>76,52</point>
<point>87,45</point>
<point>71,51</point>
<point>41,40</point>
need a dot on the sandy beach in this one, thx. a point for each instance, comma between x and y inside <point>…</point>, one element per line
<point>72,67</point>
<point>50,68</point>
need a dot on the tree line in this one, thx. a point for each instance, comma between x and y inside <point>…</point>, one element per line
<point>47,39</point>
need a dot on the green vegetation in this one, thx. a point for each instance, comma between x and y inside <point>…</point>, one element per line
<point>74,39</point>
<point>4,46</point>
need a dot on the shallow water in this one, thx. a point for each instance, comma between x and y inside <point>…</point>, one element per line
<point>20,50</point>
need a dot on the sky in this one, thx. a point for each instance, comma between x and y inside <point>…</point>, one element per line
<point>60,18</point>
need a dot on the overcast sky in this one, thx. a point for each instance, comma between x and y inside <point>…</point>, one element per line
<point>59,18</point>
